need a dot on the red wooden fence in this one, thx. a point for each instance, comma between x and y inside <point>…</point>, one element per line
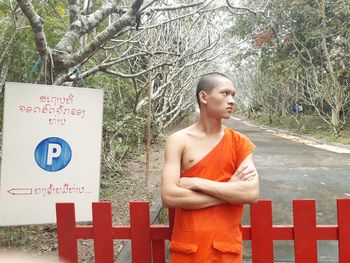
<point>148,241</point>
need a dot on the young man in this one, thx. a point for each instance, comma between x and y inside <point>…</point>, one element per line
<point>208,175</point>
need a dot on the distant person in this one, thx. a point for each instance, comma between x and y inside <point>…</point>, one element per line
<point>294,109</point>
<point>300,109</point>
<point>208,175</point>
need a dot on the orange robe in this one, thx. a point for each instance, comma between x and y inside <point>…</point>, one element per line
<point>212,234</point>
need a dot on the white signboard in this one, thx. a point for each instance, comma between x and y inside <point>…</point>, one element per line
<point>50,152</point>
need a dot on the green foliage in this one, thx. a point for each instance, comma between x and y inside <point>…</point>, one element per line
<point>24,47</point>
<point>5,11</point>
<point>123,131</point>
<point>163,216</point>
<point>12,237</point>
<point>295,58</point>
<point>105,189</point>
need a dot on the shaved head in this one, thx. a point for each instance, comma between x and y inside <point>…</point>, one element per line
<point>209,81</point>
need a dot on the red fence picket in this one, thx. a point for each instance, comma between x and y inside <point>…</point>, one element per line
<point>344,229</point>
<point>261,232</point>
<point>305,235</point>
<point>102,231</point>
<point>140,233</point>
<point>148,241</point>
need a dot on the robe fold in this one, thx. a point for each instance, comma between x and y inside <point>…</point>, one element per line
<point>212,234</point>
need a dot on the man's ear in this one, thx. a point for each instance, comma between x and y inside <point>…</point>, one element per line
<point>203,97</point>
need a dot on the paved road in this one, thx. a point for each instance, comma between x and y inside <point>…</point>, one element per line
<point>292,170</point>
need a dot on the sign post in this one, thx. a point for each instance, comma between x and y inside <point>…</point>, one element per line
<point>50,153</point>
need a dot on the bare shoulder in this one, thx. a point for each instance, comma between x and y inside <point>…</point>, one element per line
<point>179,138</point>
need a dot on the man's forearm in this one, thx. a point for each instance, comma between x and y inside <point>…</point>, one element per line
<point>188,199</point>
<point>240,192</point>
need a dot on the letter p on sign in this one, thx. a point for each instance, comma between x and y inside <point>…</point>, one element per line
<point>54,151</point>
<point>53,154</point>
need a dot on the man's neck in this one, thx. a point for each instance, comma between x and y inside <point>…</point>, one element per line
<point>209,126</point>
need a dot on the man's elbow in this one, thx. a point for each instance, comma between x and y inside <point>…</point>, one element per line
<point>254,197</point>
<point>168,201</point>
<point>254,192</point>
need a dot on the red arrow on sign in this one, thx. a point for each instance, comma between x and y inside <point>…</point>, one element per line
<point>20,191</point>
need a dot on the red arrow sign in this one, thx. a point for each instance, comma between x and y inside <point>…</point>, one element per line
<point>20,191</point>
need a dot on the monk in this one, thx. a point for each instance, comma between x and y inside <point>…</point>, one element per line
<point>208,175</point>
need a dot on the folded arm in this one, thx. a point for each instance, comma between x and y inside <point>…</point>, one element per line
<point>242,188</point>
<point>172,194</point>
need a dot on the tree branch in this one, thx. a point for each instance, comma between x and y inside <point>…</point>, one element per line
<point>74,11</point>
<point>248,10</point>
<point>37,26</point>
<point>81,25</point>
<point>174,7</point>
<point>128,19</point>
<point>122,75</point>
<point>199,11</point>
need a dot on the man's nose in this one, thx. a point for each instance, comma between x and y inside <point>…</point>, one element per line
<point>231,101</point>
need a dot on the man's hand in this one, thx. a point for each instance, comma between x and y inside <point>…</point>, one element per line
<point>245,173</point>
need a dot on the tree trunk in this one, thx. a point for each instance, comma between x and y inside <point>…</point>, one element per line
<point>335,120</point>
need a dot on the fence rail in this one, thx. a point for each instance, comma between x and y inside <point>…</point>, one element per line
<point>148,241</point>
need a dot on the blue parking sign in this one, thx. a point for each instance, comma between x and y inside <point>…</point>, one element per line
<point>53,154</point>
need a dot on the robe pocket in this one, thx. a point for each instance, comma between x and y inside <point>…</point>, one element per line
<point>184,248</point>
<point>226,247</point>
<point>228,241</point>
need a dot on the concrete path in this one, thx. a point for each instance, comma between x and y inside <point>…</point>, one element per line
<point>293,170</point>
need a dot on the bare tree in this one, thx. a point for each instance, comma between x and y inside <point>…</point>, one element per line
<point>180,52</point>
<point>324,92</point>
<point>66,55</point>
<point>327,97</point>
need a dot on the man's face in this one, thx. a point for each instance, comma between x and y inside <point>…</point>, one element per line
<point>220,100</point>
